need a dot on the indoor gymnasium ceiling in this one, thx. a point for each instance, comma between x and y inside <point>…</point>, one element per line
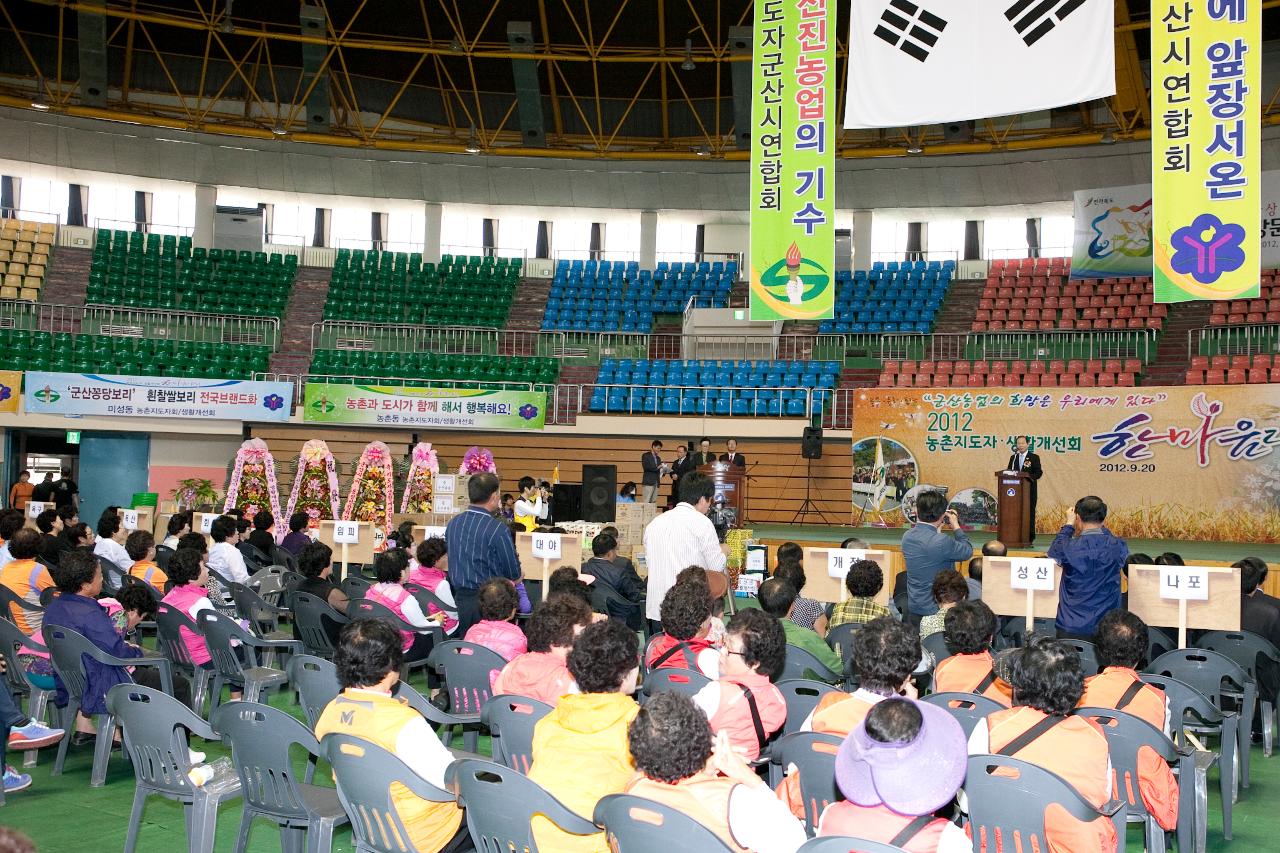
<point>575,78</point>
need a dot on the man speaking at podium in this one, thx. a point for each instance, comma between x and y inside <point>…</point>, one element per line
<point>1028,463</point>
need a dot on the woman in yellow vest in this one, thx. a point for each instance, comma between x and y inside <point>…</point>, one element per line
<point>704,777</point>
<point>580,749</point>
<point>531,507</point>
<point>368,661</point>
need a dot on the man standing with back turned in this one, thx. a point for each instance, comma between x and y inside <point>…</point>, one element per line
<point>480,548</point>
<point>680,538</point>
<point>927,550</point>
<point>1091,558</point>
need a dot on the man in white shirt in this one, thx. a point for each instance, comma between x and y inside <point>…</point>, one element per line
<point>680,538</point>
<point>224,558</point>
<point>110,544</point>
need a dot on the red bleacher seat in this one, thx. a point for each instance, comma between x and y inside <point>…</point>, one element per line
<point>1220,362</point>
<point>926,367</point>
<point>1199,362</point>
<point>940,381</point>
<point>1075,366</point>
<point>1235,377</point>
<point>978,367</point>
<point>961,368</point>
<point>1018,367</point>
<point>1275,373</point>
<point>1258,376</point>
<point>1085,380</point>
<point>1253,317</point>
<point>1067,380</point>
<point>995,380</point>
<point>908,367</point>
<point>1235,319</point>
<point>1213,376</point>
<point>1132,365</point>
<point>1261,362</point>
<point>1239,362</point>
<point>1195,376</point>
<point>976,380</point>
<point>1046,325</point>
<point>888,380</point>
<point>891,367</point>
<point>979,326</point>
<point>1093,365</point>
<point>1111,365</point>
<point>1125,380</point>
<point>943,368</point>
<point>1106,380</point>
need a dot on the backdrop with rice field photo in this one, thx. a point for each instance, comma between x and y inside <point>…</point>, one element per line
<point>1171,463</point>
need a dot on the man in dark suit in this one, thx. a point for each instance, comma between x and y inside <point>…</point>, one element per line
<point>682,465</point>
<point>1024,460</point>
<point>704,456</point>
<point>651,462</point>
<point>733,457</point>
<point>627,603</point>
<point>1259,617</point>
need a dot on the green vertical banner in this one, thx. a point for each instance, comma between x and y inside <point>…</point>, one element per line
<point>1206,81</point>
<point>793,200</point>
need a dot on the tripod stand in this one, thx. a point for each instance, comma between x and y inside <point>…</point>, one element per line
<point>809,507</point>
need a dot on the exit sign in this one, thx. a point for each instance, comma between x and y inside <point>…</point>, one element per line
<point>739,314</point>
<point>73,436</point>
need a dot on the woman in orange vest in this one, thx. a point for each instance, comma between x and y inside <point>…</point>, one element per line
<point>969,629</point>
<point>905,761</point>
<point>683,766</point>
<point>1040,729</point>
<point>744,703</point>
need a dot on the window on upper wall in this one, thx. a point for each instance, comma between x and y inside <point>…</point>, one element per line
<point>173,212</point>
<point>351,228</point>
<point>946,240</point>
<point>1005,238</point>
<point>621,240</point>
<point>571,239</point>
<point>516,235</point>
<point>1057,234</point>
<point>292,224</point>
<point>405,229</point>
<point>43,196</point>
<point>461,233</point>
<point>888,240</point>
<point>677,241</point>
<point>112,206</point>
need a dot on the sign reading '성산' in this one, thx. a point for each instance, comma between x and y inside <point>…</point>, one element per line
<point>793,161</point>
<point>380,405</point>
<point>156,397</point>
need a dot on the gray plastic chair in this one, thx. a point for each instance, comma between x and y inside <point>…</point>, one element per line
<point>163,555</point>
<point>1158,642</point>
<point>1014,632</point>
<point>501,804</point>
<point>443,720</point>
<point>1126,735</point>
<point>9,597</point>
<point>636,825</point>
<point>219,630</point>
<point>365,773</point>
<point>155,728</point>
<point>814,756</point>
<point>936,645</point>
<point>67,650</point>
<point>260,738</point>
<point>355,586</point>
<point>169,621</point>
<point>840,639</point>
<point>316,681</point>
<point>263,617</point>
<point>686,681</point>
<point>363,608</point>
<point>310,616</point>
<point>847,844</point>
<point>1218,678</point>
<point>130,580</point>
<point>466,669</point>
<point>1088,653</point>
<point>112,575</point>
<point>510,720</point>
<point>1016,803</point>
<point>802,664</point>
<point>1189,711</point>
<point>1249,650</point>
<point>968,709</point>
<point>802,695</point>
<point>11,639</point>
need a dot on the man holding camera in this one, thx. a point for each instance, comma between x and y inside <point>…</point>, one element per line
<point>927,550</point>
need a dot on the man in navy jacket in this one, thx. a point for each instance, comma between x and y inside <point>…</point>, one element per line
<point>1091,558</point>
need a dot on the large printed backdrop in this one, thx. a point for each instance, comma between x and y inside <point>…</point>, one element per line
<point>1171,463</point>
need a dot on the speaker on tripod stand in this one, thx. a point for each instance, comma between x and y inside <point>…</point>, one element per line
<point>810,449</point>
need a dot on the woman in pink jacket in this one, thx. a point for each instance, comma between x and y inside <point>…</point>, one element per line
<point>496,630</point>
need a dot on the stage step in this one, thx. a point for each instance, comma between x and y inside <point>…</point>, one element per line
<point>959,308</point>
<point>1172,360</point>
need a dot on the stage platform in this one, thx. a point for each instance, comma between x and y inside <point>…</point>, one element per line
<point>1215,552</point>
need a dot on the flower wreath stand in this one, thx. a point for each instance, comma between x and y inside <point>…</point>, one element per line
<point>315,486</point>
<point>253,482</point>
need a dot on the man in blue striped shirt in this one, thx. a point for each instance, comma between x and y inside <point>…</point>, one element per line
<point>480,547</point>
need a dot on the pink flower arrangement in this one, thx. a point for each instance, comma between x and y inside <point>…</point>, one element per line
<point>315,486</point>
<point>420,485</point>
<point>372,489</point>
<point>253,480</point>
<point>478,460</point>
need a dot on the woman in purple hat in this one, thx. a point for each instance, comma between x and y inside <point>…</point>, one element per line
<point>905,761</point>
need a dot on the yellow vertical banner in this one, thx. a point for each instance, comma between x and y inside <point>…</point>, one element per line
<point>10,390</point>
<point>1206,63</point>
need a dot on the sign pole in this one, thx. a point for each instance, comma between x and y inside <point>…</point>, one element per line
<point>1031,610</point>
<point>345,546</point>
<point>1182,623</point>
<point>546,574</point>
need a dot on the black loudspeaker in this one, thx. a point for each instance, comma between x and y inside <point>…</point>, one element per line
<point>599,492</point>
<point>958,131</point>
<point>566,502</point>
<point>811,443</point>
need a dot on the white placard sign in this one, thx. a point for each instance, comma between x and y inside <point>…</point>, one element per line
<point>444,484</point>
<point>546,546</point>
<point>442,503</point>
<point>206,523</point>
<point>1190,583</point>
<point>379,537</point>
<point>346,533</point>
<point>129,518</point>
<point>1033,573</point>
<point>432,532</point>
<point>840,559</point>
<point>755,560</point>
<point>34,508</point>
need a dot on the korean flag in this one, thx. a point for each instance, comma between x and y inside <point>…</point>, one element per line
<point>914,62</point>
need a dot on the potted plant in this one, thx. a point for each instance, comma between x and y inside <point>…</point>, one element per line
<point>195,493</point>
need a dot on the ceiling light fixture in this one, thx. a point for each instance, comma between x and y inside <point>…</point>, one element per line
<point>702,150</point>
<point>279,129</point>
<point>1108,138</point>
<point>455,46</point>
<point>688,64</point>
<point>473,142</point>
<point>38,102</point>
<point>914,149</point>
<point>226,26</point>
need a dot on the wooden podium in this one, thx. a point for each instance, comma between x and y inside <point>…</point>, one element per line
<point>731,488</point>
<point>1013,498</point>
